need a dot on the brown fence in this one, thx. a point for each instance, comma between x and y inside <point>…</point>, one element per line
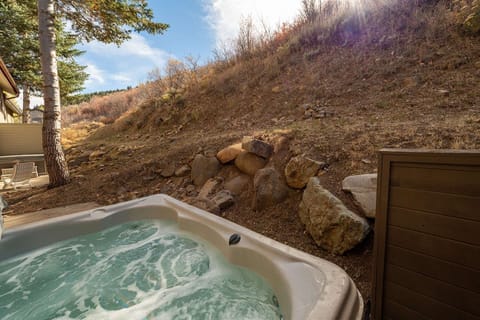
<point>427,235</point>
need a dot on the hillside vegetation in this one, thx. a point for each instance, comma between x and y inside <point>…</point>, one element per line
<point>337,86</point>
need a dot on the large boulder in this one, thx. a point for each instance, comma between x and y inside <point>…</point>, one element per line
<point>249,163</point>
<point>204,168</point>
<point>363,188</point>
<point>229,153</point>
<point>332,226</point>
<point>258,147</point>
<point>300,169</point>
<point>269,188</point>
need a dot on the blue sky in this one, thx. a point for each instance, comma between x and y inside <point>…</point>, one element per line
<point>197,27</point>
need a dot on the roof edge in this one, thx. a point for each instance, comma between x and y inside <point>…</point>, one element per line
<point>9,78</point>
<point>13,106</point>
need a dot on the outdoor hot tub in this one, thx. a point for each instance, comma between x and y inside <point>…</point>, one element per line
<point>306,287</point>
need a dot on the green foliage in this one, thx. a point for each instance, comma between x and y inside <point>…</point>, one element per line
<point>72,75</point>
<point>86,97</point>
<point>19,47</point>
<point>109,21</point>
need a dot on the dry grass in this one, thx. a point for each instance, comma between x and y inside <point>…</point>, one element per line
<point>105,109</point>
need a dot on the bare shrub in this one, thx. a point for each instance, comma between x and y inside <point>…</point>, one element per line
<point>245,42</point>
<point>310,10</point>
<point>104,109</point>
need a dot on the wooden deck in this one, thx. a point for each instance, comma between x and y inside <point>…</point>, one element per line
<point>21,219</point>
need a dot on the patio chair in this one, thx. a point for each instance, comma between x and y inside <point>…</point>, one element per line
<point>6,174</point>
<point>22,173</point>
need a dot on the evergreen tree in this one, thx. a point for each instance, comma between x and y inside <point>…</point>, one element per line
<point>20,50</point>
<point>19,46</point>
<point>109,21</point>
<point>72,75</point>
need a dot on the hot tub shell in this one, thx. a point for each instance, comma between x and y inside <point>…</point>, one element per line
<point>307,287</point>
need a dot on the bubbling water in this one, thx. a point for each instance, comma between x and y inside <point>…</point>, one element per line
<point>137,270</point>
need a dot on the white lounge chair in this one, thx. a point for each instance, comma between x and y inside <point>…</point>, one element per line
<point>21,175</point>
<point>6,174</point>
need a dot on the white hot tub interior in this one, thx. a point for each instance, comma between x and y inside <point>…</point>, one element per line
<point>306,287</point>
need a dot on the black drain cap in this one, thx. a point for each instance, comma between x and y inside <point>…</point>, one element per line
<point>234,239</point>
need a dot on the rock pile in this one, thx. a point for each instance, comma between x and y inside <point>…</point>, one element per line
<point>315,111</point>
<point>332,226</point>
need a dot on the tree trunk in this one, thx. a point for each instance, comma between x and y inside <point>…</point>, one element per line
<point>26,104</point>
<point>52,147</point>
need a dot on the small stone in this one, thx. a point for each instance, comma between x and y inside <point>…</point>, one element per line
<point>249,163</point>
<point>366,161</point>
<point>168,171</point>
<point>223,199</point>
<point>444,92</point>
<point>229,153</point>
<point>308,113</point>
<point>190,189</point>
<point>208,188</point>
<point>300,169</point>
<point>204,168</point>
<point>238,184</point>
<point>269,188</point>
<point>258,147</point>
<point>182,171</point>
<point>205,204</point>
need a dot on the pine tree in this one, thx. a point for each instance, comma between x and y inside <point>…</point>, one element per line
<point>109,21</point>
<point>20,50</point>
<point>19,46</point>
<point>72,75</point>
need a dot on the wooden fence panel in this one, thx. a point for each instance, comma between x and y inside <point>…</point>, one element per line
<point>427,235</point>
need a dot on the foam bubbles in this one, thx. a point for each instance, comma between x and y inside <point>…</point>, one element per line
<point>137,270</point>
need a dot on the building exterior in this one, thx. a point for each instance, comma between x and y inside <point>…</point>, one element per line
<point>36,116</point>
<point>9,110</point>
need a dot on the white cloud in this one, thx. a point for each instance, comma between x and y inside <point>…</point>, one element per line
<point>135,48</point>
<point>224,16</point>
<point>95,74</point>
<point>120,66</point>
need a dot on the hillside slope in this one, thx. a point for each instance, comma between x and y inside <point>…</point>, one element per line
<point>401,77</point>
